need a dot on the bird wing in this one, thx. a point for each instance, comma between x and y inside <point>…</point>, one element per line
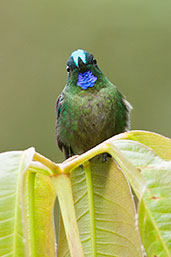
<point>67,149</point>
<point>59,104</point>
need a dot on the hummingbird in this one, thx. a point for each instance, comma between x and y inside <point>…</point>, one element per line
<point>90,108</point>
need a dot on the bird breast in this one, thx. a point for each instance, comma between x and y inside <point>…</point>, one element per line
<point>90,120</point>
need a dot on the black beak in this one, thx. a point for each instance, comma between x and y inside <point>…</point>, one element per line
<point>81,65</point>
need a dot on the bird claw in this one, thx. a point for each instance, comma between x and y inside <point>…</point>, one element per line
<point>105,156</point>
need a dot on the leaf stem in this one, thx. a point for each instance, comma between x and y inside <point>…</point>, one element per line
<point>55,168</point>
<point>28,212</point>
<point>88,176</point>
<point>62,185</point>
<point>68,167</point>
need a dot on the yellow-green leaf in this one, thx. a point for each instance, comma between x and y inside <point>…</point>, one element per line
<point>12,167</point>
<point>26,207</point>
<point>113,231</point>
<point>160,144</point>
<point>155,207</point>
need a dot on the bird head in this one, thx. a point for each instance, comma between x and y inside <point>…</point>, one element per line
<point>82,68</point>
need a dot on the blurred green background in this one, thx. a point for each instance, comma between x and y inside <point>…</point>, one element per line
<point>130,39</point>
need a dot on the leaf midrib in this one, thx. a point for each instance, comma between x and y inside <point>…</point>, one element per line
<point>17,204</point>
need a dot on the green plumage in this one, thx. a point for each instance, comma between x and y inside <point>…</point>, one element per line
<point>86,118</point>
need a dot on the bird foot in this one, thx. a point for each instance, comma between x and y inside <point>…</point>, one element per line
<point>105,156</point>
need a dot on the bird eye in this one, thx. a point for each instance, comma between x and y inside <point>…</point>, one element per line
<point>94,61</point>
<point>68,69</point>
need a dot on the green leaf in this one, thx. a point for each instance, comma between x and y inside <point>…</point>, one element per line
<point>109,228</point>
<point>155,207</point>
<point>38,204</point>
<point>12,167</point>
<point>44,199</point>
<point>136,180</point>
<point>26,206</point>
<point>159,144</point>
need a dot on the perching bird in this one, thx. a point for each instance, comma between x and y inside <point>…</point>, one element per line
<point>90,108</point>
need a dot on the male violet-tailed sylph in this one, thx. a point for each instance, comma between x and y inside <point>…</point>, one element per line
<point>90,108</point>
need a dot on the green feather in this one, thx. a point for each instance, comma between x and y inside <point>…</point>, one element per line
<point>86,118</point>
